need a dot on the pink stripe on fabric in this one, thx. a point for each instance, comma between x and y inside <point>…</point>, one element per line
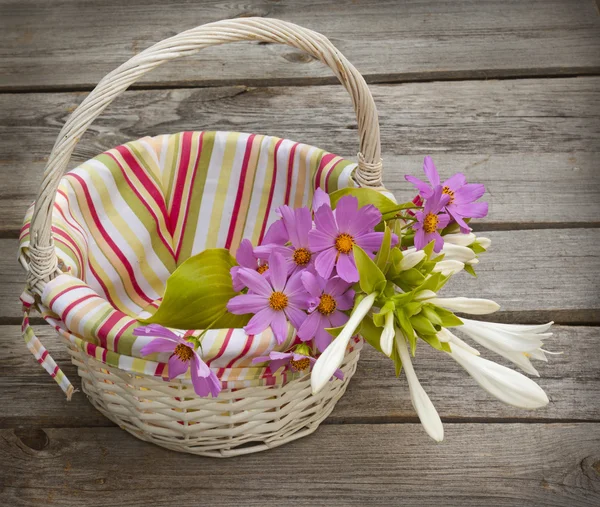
<point>120,333</point>
<point>329,175</point>
<point>72,221</point>
<point>182,168</point>
<point>65,313</point>
<point>324,161</point>
<point>164,240</point>
<point>109,241</point>
<point>290,174</point>
<point>271,191</point>
<point>223,347</point>
<point>108,325</point>
<point>68,289</point>
<point>240,191</point>
<point>247,345</point>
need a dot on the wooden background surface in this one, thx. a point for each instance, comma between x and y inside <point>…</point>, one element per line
<point>506,91</point>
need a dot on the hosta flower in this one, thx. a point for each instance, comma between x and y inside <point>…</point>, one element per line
<point>247,257</point>
<point>333,356</point>
<point>430,419</point>
<point>298,360</point>
<point>335,235</point>
<point>462,195</point>
<point>273,301</point>
<point>474,306</point>
<point>297,223</point>
<point>431,221</point>
<point>448,268</point>
<point>516,343</point>
<point>183,356</point>
<point>507,385</point>
<point>331,298</point>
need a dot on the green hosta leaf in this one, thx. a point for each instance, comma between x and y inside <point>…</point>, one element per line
<point>381,259</point>
<point>451,229</point>
<point>434,283</point>
<point>471,270</point>
<point>477,248</point>
<point>447,318</point>
<point>197,292</point>
<point>334,331</point>
<point>422,325</point>
<point>412,308</point>
<point>397,361</point>
<point>371,333</point>
<point>402,298</point>
<point>379,318</point>
<point>409,279</point>
<point>365,196</point>
<point>407,329</point>
<point>431,315</point>
<point>371,277</point>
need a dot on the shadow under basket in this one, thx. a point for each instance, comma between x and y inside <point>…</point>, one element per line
<point>238,421</point>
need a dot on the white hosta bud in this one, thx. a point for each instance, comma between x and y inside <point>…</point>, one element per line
<point>448,268</point>
<point>474,306</point>
<point>411,259</point>
<point>387,335</point>
<point>460,239</point>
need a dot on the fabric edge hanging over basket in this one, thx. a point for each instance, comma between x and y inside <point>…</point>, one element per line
<point>99,243</point>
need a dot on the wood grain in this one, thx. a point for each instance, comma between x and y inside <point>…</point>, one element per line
<point>549,465</point>
<point>534,143</point>
<point>57,44</point>
<point>30,399</point>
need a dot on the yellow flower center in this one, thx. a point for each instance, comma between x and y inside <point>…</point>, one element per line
<point>300,364</point>
<point>327,305</point>
<point>278,301</point>
<point>262,268</point>
<point>183,352</point>
<point>430,222</point>
<point>447,191</point>
<point>302,256</point>
<point>344,243</point>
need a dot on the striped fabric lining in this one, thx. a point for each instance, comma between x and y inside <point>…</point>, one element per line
<point>125,220</point>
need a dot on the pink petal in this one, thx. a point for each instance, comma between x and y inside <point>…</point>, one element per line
<point>439,241</point>
<point>336,286</point>
<point>247,303</point>
<point>159,345</point>
<point>276,234</point>
<point>156,330</point>
<point>325,262</point>
<point>424,189</point>
<point>177,366</point>
<point>338,319</point>
<point>312,284</point>
<point>204,384</point>
<point>366,219</point>
<point>455,181</point>
<point>279,271</point>
<point>320,197</point>
<point>473,210</point>
<point>346,212</point>
<point>431,172</point>
<point>323,338</point>
<point>255,281</point>
<point>294,284</point>
<point>318,240</point>
<point>420,242</point>
<point>325,221</point>
<point>469,193</point>
<point>260,322</point>
<point>295,315</point>
<point>346,268</point>
<point>309,327</point>
<point>279,327</point>
<point>370,242</point>
<point>345,301</point>
<point>304,225</point>
<point>443,220</point>
<point>464,227</point>
<point>245,254</point>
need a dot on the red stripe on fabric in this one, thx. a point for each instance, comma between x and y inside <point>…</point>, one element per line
<point>69,243</point>
<point>120,333</point>
<point>182,168</point>
<point>74,304</point>
<point>101,283</point>
<point>55,372</point>
<point>243,352</point>
<point>290,174</point>
<point>223,347</point>
<point>104,353</point>
<point>329,175</point>
<point>63,292</point>
<point>240,191</point>
<point>164,240</point>
<point>159,369</point>
<point>105,328</point>
<point>76,224</point>
<point>324,161</point>
<point>109,241</point>
<point>44,355</point>
<point>188,202</point>
<point>271,192</point>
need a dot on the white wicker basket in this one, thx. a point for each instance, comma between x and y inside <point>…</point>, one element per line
<point>169,414</point>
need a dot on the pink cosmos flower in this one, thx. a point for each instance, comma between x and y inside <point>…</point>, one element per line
<point>462,195</point>
<point>183,356</point>
<point>296,362</point>
<point>330,296</point>
<point>320,197</point>
<point>273,301</point>
<point>298,223</point>
<point>431,220</point>
<point>247,257</point>
<point>336,234</point>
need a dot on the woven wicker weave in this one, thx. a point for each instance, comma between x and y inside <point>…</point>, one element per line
<point>169,414</point>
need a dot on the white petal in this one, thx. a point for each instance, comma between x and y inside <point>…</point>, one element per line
<point>507,385</point>
<point>387,335</point>
<point>445,335</point>
<point>448,268</point>
<point>519,328</point>
<point>411,259</point>
<point>331,359</point>
<point>509,341</point>
<point>457,253</point>
<point>460,239</point>
<point>473,306</point>
<point>427,413</point>
<point>472,262</point>
<point>484,242</point>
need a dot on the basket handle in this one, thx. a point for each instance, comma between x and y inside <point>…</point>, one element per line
<point>42,262</point>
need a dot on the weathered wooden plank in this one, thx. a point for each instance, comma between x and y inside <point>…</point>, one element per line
<point>534,143</point>
<point>536,276</point>
<point>52,44</point>
<point>549,465</point>
<point>31,399</point>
